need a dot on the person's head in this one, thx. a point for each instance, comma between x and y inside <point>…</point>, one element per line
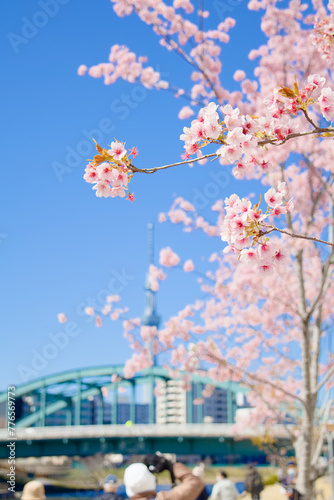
<point>138,479</point>
<point>291,470</point>
<point>110,484</point>
<point>221,475</point>
<point>34,490</point>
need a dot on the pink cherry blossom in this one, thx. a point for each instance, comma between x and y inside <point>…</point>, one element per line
<point>117,150</point>
<point>326,101</point>
<point>272,197</point>
<point>62,318</point>
<point>162,217</point>
<point>91,176</point>
<point>104,172</point>
<point>117,191</point>
<point>290,205</point>
<point>103,189</point>
<point>185,112</point>
<point>280,257</point>
<point>198,401</point>
<point>90,311</point>
<point>188,266</point>
<point>168,258</point>
<point>115,378</point>
<point>266,250</point>
<point>148,333</point>
<point>106,309</point>
<point>266,268</point>
<point>113,298</point>
<point>249,256</point>
<point>105,392</point>
<point>98,321</point>
<point>118,178</point>
<point>82,70</point>
<point>155,274</point>
<point>239,75</point>
<point>278,210</point>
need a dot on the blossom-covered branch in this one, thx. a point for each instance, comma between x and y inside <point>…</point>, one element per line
<point>242,138</point>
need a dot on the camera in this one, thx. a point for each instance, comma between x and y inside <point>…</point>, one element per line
<point>157,463</point>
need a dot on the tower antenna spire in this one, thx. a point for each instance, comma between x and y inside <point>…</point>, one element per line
<point>150,243</point>
<point>150,317</point>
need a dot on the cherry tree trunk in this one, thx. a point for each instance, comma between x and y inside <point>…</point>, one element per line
<point>304,442</point>
<point>303,449</point>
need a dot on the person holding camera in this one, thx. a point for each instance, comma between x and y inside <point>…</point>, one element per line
<point>110,486</point>
<point>140,482</point>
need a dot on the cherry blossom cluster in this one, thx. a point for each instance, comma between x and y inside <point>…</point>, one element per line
<point>127,66</point>
<point>155,274</point>
<point>184,212</point>
<point>323,35</point>
<point>206,128</point>
<point>243,136</point>
<point>109,171</point>
<point>167,258</point>
<point>244,230</point>
<point>107,310</point>
<point>177,32</point>
<point>138,362</point>
<point>286,101</point>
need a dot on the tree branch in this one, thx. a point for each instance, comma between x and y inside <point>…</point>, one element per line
<point>293,235</point>
<point>315,350</point>
<point>292,136</point>
<point>321,437</point>
<point>273,409</point>
<point>325,186</point>
<point>254,377</point>
<point>309,119</point>
<point>324,380</point>
<point>260,143</point>
<point>155,169</point>
<point>325,274</point>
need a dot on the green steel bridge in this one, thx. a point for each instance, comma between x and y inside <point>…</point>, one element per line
<point>67,390</point>
<point>65,394</point>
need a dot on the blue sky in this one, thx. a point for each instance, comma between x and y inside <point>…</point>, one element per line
<point>60,245</point>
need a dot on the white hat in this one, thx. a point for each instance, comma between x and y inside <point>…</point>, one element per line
<point>34,490</point>
<point>137,479</point>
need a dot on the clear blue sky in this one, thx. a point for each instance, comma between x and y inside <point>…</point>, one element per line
<point>59,244</point>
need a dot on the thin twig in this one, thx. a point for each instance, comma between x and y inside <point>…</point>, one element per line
<point>309,119</point>
<point>155,169</point>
